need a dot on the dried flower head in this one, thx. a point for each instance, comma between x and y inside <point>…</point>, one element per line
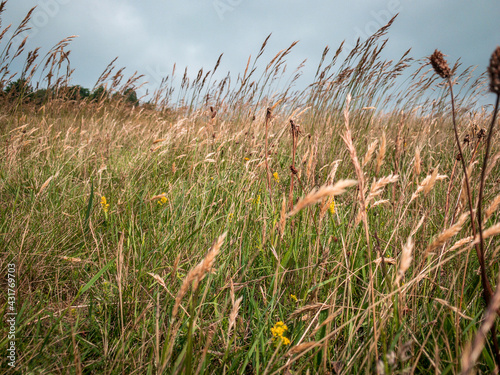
<point>440,65</point>
<point>494,71</point>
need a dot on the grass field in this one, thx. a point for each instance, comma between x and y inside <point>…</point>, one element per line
<point>159,238</point>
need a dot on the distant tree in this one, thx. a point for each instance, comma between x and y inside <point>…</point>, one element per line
<point>18,88</point>
<point>78,92</point>
<point>40,96</point>
<point>131,97</point>
<point>99,94</point>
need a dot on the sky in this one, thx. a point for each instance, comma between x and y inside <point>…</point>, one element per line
<point>149,36</point>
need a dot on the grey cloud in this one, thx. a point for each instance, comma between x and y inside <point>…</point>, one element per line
<point>150,36</point>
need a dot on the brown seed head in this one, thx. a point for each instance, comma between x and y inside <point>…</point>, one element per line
<point>494,71</point>
<point>440,65</point>
<point>481,133</point>
<point>269,113</point>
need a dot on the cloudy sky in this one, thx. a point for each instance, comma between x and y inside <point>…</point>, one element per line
<point>151,35</point>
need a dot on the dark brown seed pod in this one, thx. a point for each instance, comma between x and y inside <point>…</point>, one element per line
<point>494,71</point>
<point>440,65</point>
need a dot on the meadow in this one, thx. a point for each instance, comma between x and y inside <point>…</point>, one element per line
<point>243,226</point>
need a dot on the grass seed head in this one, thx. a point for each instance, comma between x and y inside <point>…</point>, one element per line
<point>494,71</point>
<point>440,65</point>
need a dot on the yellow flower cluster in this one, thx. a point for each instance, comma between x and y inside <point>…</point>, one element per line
<point>257,200</point>
<point>331,207</point>
<point>278,331</point>
<point>276,177</point>
<point>162,200</point>
<point>293,297</point>
<point>104,204</point>
<point>230,217</point>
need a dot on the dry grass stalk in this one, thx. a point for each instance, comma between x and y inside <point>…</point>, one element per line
<point>361,187</point>
<point>489,297</point>
<point>269,115</point>
<point>45,184</point>
<point>301,348</point>
<point>71,259</point>
<point>378,261</point>
<point>447,234</point>
<point>310,162</point>
<point>418,162</point>
<point>324,207</point>
<point>415,230</point>
<point>282,222</point>
<point>464,195</point>
<point>208,342</point>
<point>381,154</point>
<point>376,189</point>
<point>159,279</point>
<point>425,182</point>
<point>318,194</point>
<point>472,352</point>
<point>234,313</point>
<point>197,274</point>
<point>460,243</point>
<point>490,232</point>
<point>383,201</point>
<point>406,259</point>
<point>295,131</point>
<point>120,277</point>
<point>455,309</point>
<point>492,164</point>
<point>441,68</point>
<point>328,320</point>
<point>333,172</point>
<point>492,208</point>
<point>369,153</point>
<point>315,307</point>
<point>352,151</point>
<point>428,187</point>
<point>159,196</point>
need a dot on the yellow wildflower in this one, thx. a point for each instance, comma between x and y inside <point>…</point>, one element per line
<point>104,204</point>
<point>278,331</point>
<point>163,200</point>
<point>293,297</point>
<point>331,207</point>
<point>276,177</point>
<point>247,159</point>
<point>257,200</point>
<point>230,217</point>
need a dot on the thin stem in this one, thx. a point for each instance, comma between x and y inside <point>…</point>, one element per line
<point>268,116</point>
<point>483,180</point>
<point>487,290</point>
<point>488,298</point>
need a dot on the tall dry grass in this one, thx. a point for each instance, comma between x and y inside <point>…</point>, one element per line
<point>173,237</point>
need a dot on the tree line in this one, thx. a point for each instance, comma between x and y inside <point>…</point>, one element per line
<point>21,89</point>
